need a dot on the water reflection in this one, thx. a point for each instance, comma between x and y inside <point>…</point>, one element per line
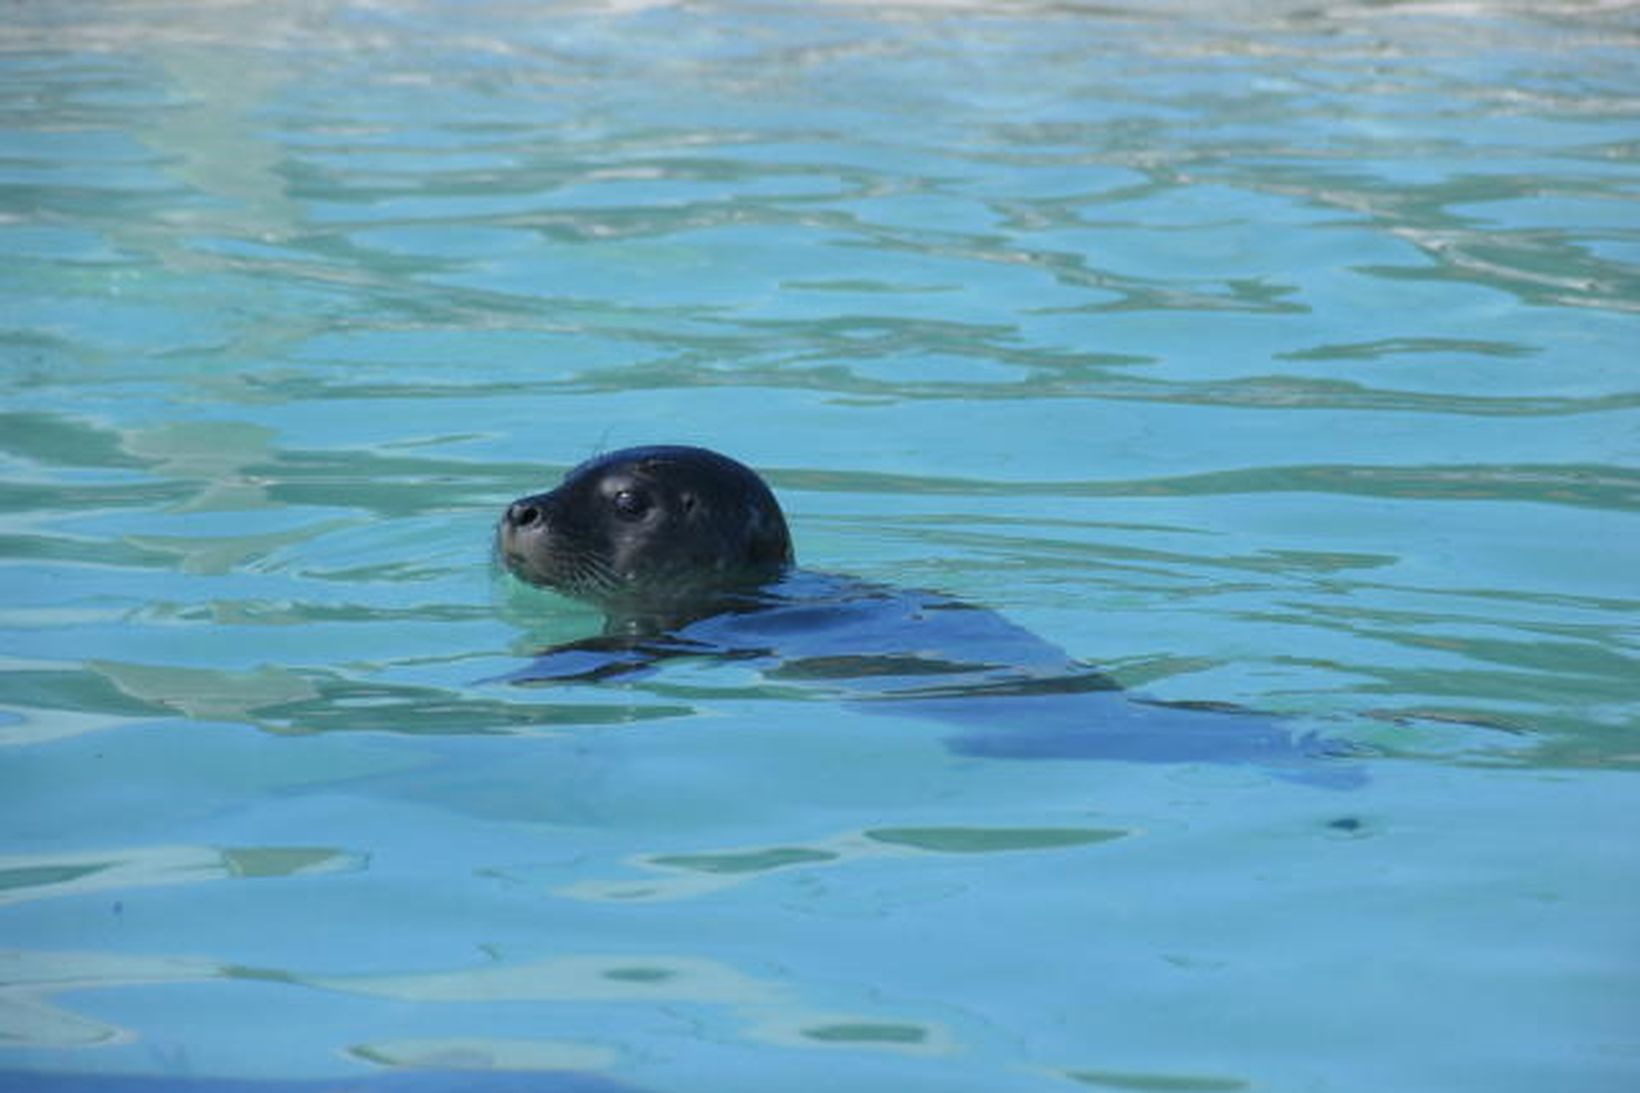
<point>1270,353</point>
<point>674,876</point>
<point>48,876</point>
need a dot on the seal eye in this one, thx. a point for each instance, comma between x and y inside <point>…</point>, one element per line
<point>630,504</point>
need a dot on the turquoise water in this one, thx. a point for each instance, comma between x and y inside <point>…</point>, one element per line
<point>1277,355</point>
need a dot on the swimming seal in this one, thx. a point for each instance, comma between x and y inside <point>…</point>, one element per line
<point>649,534</point>
<point>687,553</point>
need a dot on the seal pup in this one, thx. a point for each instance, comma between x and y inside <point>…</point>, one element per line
<point>687,552</point>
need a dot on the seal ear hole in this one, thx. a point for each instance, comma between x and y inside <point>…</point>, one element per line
<point>686,503</point>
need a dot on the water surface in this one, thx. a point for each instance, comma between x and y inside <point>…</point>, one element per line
<point>1276,355</point>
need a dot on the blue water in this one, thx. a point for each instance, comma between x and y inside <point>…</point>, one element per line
<point>1271,354</point>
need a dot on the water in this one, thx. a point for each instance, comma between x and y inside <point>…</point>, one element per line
<point>1265,354</point>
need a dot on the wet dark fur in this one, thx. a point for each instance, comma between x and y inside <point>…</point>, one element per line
<point>651,535</point>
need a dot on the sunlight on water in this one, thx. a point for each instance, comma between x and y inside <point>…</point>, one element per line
<point>1278,355</point>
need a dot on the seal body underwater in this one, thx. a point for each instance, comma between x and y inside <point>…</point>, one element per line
<point>688,553</point>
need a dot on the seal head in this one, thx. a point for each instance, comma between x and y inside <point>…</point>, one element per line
<point>645,531</point>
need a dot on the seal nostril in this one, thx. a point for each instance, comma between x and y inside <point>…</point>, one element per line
<point>522,515</point>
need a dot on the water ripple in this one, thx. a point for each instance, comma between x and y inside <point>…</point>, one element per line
<point>1269,353</point>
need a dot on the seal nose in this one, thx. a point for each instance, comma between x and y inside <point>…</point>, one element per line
<point>523,514</point>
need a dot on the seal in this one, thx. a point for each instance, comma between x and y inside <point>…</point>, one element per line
<point>650,534</point>
<point>688,553</point>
